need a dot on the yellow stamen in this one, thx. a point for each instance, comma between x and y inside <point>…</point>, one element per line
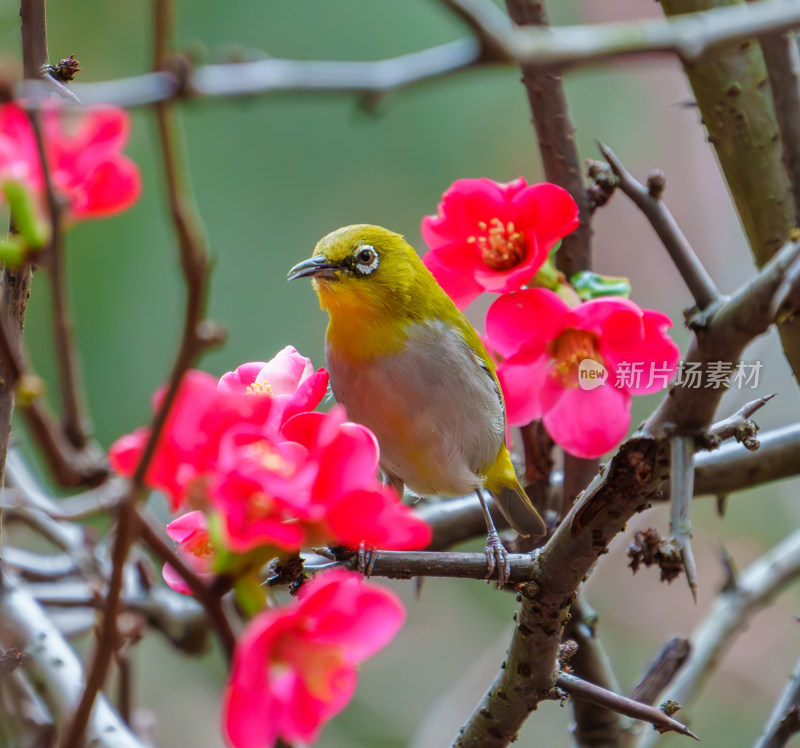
<point>502,247</point>
<point>260,388</point>
<point>569,349</point>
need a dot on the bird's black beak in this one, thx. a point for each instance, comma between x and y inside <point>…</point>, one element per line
<point>316,266</point>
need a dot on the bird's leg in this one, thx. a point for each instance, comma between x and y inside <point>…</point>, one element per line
<point>366,559</point>
<point>496,554</point>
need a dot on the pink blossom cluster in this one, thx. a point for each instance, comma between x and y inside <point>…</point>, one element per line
<point>496,237</point>
<point>266,475</point>
<point>87,169</point>
<point>250,452</point>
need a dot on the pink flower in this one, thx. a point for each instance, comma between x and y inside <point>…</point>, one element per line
<point>84,157</point>
<point>289,379</point>
<point>295,668</point>
<point>555,356</point>
<point>190,532</point>
<point>494,237</point>
<point>261,490</point>
<point>188,447</point>
<point>316,483</point>
<point>346,492</point>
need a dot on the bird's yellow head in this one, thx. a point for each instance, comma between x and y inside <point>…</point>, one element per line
<point>365,269</point>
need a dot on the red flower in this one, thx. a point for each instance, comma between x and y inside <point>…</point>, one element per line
<point>556,360</point>
<point>289,379</point>
<point>83,148</point>
<point>190,532</point>
<point>317,484</point>
<point>494,237</point>
<point>295,668</point>
<point>188,447</point>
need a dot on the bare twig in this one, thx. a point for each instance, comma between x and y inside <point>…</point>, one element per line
<point>732,609</point>
<point>681,493</point>
<point>661,671</point>
<point>688,36</point>
<point>784,720</point>
<point>696,277</point>
<point>732,426</point>
<point>74,418</point>
<point>581,689</point>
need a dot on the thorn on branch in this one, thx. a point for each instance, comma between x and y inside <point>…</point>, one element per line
<point>661,719</point>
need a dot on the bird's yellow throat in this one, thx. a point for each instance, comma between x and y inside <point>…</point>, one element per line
<point>361,327</point>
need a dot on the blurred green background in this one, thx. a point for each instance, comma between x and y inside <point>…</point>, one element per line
<point>272,175</point>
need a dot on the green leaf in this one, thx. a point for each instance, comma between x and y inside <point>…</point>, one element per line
<point>591,285</point>
<point>24,214</point>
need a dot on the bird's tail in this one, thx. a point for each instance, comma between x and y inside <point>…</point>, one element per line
<point>517,508</point>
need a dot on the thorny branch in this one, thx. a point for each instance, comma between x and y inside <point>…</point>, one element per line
<point>687,36</point>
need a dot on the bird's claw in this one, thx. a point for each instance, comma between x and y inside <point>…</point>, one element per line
<point>366,560</point>
<point>497,558</point>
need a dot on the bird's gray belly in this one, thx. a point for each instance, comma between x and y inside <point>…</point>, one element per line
<point>434,409</point>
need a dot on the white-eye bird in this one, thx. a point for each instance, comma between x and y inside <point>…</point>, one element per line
<point>406,363</point>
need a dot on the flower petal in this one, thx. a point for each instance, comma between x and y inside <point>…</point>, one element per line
<point>530,318</point>
<point>589,423</point>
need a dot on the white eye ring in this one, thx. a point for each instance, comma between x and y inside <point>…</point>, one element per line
<point>366,259</point>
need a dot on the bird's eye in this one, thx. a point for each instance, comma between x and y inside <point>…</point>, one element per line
<point>366,255</point>
<point>366,259</point>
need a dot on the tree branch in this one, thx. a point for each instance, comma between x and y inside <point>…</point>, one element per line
<point>689,37</point>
